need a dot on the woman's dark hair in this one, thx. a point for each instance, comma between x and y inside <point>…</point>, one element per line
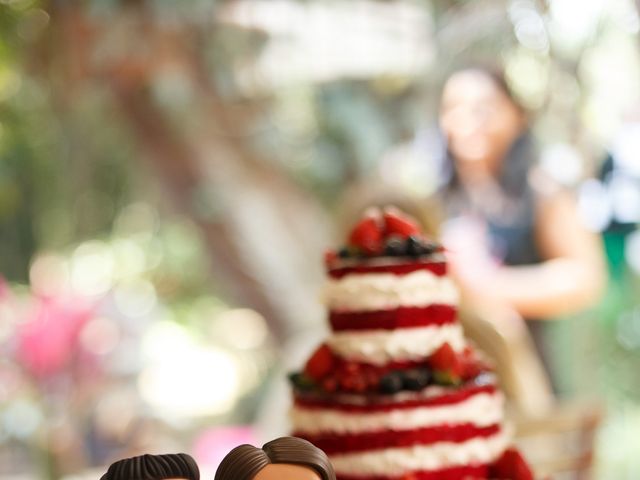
<point>154,467</point>
<point>245,461</point>
<point>497,76</point>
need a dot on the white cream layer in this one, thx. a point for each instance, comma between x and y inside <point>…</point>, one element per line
<point>397,461</point>
<point>482,410</point>
<point>380,347</point>
<point>384,291</point>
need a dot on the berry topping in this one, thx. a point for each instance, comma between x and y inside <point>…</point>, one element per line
<point>446,378</point>
<point>391,233</point>
<point>330,384</point>
<point>408,476</point>
<point>511,466</point>
<point>397,223</point>
<point>350,376</point>
<point>330,256</point>
<point>320,364</point>
<point>367,234</point>
<point>471,365</point>
<point>301,382</point>
<point>352,368</point>
<point>353,382</point>
<point>417,246</point>
<point>416,379</point>
<point>395,247</point>
<point>445,359</point>
<point>392,382</point>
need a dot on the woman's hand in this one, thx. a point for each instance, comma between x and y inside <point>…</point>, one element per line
<point>570,279</point>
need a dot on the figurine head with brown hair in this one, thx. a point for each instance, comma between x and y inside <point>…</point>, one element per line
<point>172,466</point>
<point>285,458</point>
<point>154,467</point>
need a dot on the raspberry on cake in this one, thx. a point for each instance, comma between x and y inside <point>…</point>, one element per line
<point>396,392</point>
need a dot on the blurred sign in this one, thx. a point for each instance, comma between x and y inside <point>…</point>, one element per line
<point>320,41</point>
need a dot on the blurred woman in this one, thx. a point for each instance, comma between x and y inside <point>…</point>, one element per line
<point>514,236</point>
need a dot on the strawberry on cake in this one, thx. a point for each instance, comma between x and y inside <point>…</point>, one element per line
<point>395,392</point>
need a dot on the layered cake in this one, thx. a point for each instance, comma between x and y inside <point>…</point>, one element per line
<point>396,392</point>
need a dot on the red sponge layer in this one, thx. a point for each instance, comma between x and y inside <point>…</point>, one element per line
<point>402,317</point>
<point>438,268</point>
<point>466,472</point>
<point>334,444</point>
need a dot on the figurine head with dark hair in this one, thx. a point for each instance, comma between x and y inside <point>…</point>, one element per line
<point>285,458</point>
<point>154,467</point>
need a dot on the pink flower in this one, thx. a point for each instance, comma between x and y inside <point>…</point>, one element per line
<point>48,340</point>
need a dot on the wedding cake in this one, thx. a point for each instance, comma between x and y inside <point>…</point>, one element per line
<point>396,392</point>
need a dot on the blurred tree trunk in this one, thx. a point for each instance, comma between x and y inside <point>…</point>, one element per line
<point>264,233</point>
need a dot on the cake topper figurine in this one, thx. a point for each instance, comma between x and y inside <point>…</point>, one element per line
<point>285,458</point>
<point>175,466</point>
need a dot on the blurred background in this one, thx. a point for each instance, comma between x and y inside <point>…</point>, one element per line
<point>171,172</point>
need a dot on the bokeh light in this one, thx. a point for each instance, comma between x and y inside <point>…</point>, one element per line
<point>21,419</point>
<point>129,257</point>
<point>241,328</point>
<point>184,378</point>
<point>100,335</point>
<point>49,274</point>
<point>135,297</point>
<point>92,267</point>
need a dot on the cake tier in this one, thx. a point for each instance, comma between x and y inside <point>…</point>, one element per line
<point>380,347</point>
<point>427,461</point>
<point>438,432</point>
<point>386,310</point>
<point>363,292</point>
<point>347,414</point>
